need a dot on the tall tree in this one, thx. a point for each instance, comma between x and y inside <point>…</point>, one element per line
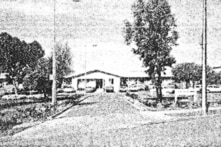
<point>63,62</point>
<point>39,78</point>
<point>18,57</point>
<point>153,33</point>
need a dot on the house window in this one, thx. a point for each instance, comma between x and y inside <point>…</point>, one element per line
<point>111,81</point>
<point>67,81</point>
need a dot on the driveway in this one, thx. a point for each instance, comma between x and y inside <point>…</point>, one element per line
<point>101,105</point>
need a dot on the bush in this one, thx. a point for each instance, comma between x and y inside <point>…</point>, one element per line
<point>7,121</point>
<point>146,88</point>
<point>151,103</point>
<point>27,92</point>
<point>133,96</point>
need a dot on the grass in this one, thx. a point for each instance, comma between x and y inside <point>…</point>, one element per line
<point>203,131</point>
<point>15,112</point>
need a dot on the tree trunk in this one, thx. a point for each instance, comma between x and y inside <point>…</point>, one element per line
<point>157,91</point>
<point>194,83</point>
<point>159,87</point>
<point>160,93</point>
<point>187,84</point>
<point>44,92</point>
<point>15,85</point>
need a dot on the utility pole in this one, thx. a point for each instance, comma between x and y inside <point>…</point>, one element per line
<point>85,69</point>
<point>54,99</point>
<point>204,87</point>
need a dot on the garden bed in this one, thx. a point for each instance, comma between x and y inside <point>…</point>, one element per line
<point>29,110</point>
<point>152,103</point>
<point>198,112</point>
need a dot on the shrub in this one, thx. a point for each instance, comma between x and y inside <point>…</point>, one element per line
<point>151,103</point>
<point>133,96</point>
<point>147,88</point>
<point>7,121</point>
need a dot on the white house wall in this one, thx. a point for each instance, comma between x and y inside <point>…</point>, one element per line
<point>74,83</point>
<point>116,84</point>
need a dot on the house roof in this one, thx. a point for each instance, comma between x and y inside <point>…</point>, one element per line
<point>76,75</point>
<point>121,74</point>
<point>143,74</point>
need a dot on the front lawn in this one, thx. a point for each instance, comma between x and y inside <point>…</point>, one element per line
<point>18,111</point>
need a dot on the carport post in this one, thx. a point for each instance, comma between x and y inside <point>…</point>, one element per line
<point>104,85</point>
<point>175,98</point>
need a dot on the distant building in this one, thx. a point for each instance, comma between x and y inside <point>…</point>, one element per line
<point>217,69</point>
<point>2,78</point>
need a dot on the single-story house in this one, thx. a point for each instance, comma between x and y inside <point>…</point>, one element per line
<point>101,79</point>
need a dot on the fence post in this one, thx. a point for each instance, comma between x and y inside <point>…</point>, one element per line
<point>175,99</point>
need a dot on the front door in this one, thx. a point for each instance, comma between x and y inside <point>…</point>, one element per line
<point>99,83</point>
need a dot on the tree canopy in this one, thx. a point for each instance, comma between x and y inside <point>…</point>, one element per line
<point>192,72</point>
<point>63,62</point>
<point>186,72</point>
<point>39,78</point>
<point>153,33</point>
<point>18,56</point>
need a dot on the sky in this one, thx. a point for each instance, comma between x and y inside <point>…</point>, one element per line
<point>93,30</point>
